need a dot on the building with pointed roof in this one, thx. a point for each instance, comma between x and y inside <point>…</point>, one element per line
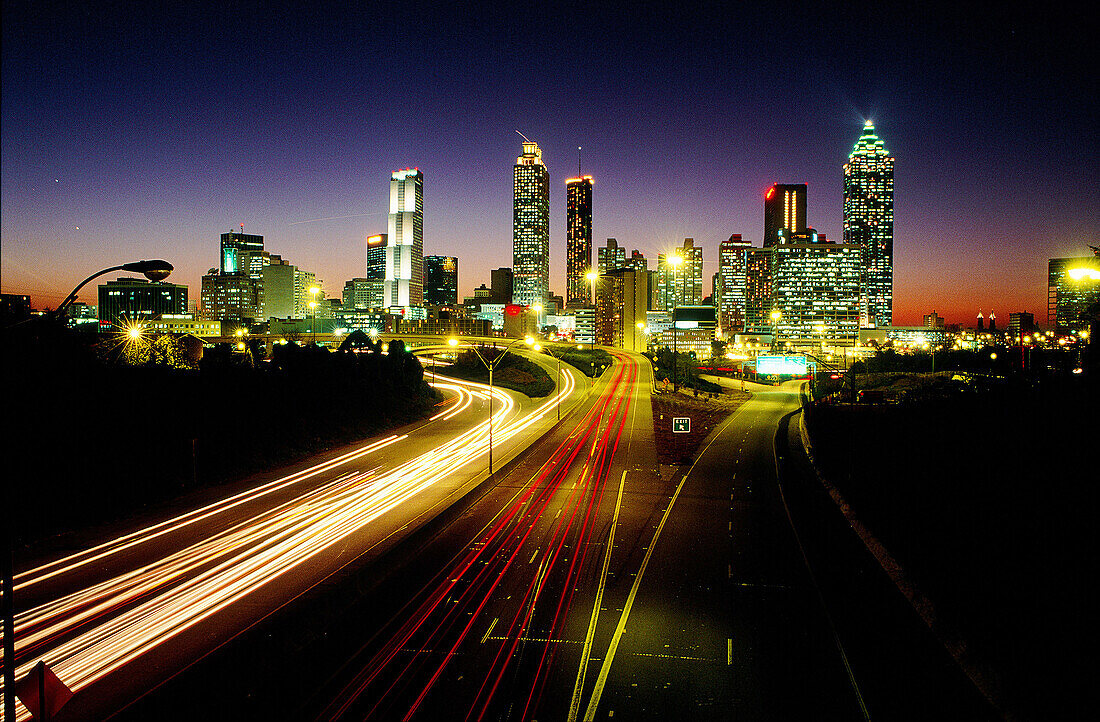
<point>869,223</point>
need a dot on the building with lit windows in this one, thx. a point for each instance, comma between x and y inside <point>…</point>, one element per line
<point>357,294</point>
<point>784,209</point>
<point>440,281</point>
<point>815,289</point>
<point>758,290</point>
<point>134,299</point>
<point>1073,293</point>
<point>530,228</point>
<point>229,297</point>
<point>184,323</point>
<point>578,240</point>
<point>403,287</point>
<point>376,270</point>
<point>235,246</point>
<point>869,224</point>
<point>680,282</point>
<point>621,296</point>
<point>730,289</point>
<point>610,257</point>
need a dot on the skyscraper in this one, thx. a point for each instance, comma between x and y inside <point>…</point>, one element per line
<point>815,288</point>
<point>758,289</point>
<point>784,208</point>
<point>234,246</point>
<point>680,282</point>
<point>578,239</point>
<point>530,227</point>
<point>610,257</point>
<point>730,291</point>
<point>1073,287</point>
<point>404,283</point>
<point>376,271</point>
<point>869,223</point>
<point>440,281</point>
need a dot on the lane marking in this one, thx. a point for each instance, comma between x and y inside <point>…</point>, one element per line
<point>586,652</point>
<point>729,652</point>
<point>533,556</point>
<point>490,629</point>
<point>605,668</point>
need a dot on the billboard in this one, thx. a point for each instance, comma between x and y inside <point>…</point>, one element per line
<point>781,365</point>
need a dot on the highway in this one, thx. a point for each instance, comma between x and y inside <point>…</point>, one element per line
<point>119,617</point>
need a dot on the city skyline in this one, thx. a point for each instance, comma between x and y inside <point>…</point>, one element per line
<point>976,218</point>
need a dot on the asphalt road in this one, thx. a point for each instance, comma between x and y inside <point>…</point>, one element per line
<point>117,616</point>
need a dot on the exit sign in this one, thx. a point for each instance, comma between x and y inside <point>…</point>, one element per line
<point>681,425</point>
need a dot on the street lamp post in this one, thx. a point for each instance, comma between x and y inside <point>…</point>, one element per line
<point>775,316</point>
<point>675,260</point>
<point>313,291</point>
<point>491,365</point>
<point>155,270</point>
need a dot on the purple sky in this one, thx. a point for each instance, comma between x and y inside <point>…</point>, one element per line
<point>135,133</point>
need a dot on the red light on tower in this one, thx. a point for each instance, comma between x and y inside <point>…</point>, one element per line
<point>771,192</point>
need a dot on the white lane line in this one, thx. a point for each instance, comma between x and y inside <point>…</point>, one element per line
<point>489,631</point>
<point>605,669</point>
<point>582,671</point>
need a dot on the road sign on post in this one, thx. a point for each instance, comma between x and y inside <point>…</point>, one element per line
<point>681,425</point>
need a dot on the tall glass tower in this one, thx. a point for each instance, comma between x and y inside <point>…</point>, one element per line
<point>869,222</point>
<point>578,240</point>
<point>404,284</point>
<point>530,228</point>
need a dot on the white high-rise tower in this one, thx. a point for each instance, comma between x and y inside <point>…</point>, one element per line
<point>404,285</point>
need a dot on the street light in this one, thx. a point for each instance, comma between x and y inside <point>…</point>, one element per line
<point>530,341</point>
<point>154,270</point>
<point>775,316</point>
<point>313,291</point>
<point>592,276</point>
<point>675,260</point>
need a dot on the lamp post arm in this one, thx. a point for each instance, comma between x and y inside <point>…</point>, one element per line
<point>72,296</point>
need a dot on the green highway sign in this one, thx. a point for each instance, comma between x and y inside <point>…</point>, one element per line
<point>681,425</point>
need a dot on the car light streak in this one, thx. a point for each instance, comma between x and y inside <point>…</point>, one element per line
<point>94,631</point>
<point>451,604</point>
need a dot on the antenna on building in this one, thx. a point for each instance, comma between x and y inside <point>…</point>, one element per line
<point>521,135</point>
<point>578,161</point>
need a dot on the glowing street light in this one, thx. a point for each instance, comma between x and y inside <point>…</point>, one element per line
<point>593,276</point>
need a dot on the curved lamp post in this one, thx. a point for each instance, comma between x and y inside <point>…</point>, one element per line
<point>529,340</point>
<point>155,270</point>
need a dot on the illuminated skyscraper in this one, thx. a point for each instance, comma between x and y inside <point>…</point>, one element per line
<point>404,284</point>
<point>784,208</point>
<point>530,228</point>
<point>815,288</point>
<point>578,240</point>
<point>680,282</point>
<point>1073,288</point>
<point>610,257</point>
<point>236,245</point>
<point>729,291</point>
<point>869,223</point>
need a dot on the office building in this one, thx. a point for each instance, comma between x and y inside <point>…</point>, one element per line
<point>1073,292</point>
<point>530,228</point>
<point>1021,323</point>
<point>357,294</point>
<point>403,287</point>
<point>933,320</point>
<point>609,257</point>
<point>784,209</point>
<point>440,281</point>
<point>815,289</point>
<point>758,290</point>
<point>731,287</point>
<point>621,309</point>
<point>637,261</point>
<point>500,284</point>
<point>229,297</point>
<point>680,276</point>
<point>869,224</point>
<point>133,299</point>
<point>376,270</point>
<point>578,239</point>
<point>234,247</point>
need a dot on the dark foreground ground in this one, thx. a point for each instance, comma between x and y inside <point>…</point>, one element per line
<point>987,502</point>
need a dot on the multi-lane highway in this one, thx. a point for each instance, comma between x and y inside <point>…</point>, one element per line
<point>114,619</point>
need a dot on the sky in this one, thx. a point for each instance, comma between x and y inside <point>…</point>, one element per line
<point>137,131</point>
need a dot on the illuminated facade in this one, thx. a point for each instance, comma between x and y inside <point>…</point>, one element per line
<point>869,224</point>
<point>229,297</point>
<point>621,297</point>
<point>680,284</point>
<point>578,240</point>
<point>235,246</point>
<point>403,287</point>
<point>135,299</point>
<point>730,290</point>
<point>758,290</point>
<point>376,270</point>
<point>440,281</point>
<point>784,209</point>
<point>1073,288</point>
<point>530,228</point>
<point>815,289</point>
<point>357,294</point>
<point>610,257</point>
